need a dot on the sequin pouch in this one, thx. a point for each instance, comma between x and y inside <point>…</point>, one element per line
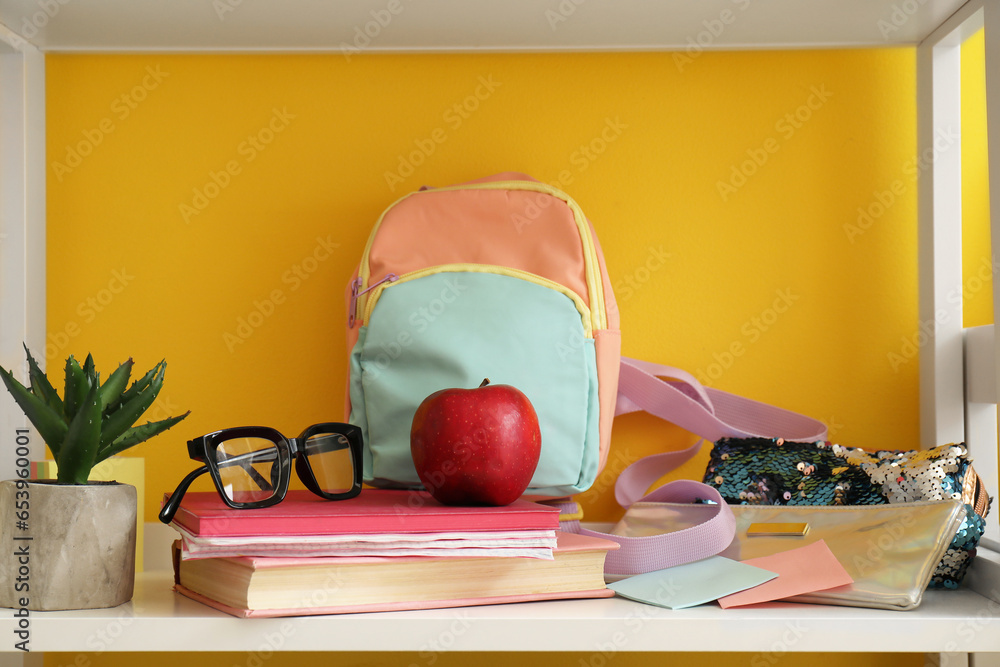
<point>760,471</point>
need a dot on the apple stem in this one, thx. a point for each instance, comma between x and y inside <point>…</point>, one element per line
<point>486,381</point>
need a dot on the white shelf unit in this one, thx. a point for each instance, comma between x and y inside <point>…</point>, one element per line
<point>950,621</point>
<point>959,369</point>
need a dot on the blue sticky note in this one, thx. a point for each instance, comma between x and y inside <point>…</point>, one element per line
<point>692,584</point>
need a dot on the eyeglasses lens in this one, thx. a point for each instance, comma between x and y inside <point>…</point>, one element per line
<point>329,456</point>
<point>249,468</point>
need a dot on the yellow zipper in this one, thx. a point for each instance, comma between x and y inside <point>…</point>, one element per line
<point>595,286</point>
<point>585,315</point>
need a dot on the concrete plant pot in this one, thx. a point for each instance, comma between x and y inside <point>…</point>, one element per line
<point>66,546</point>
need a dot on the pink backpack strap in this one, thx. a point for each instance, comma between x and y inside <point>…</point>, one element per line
<point>657,552</point>
<point>705,411</point>
<point>710,413</point>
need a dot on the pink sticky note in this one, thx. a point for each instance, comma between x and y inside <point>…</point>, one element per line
<point>800,571</point>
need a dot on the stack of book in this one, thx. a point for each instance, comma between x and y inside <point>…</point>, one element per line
<point>383,550</point>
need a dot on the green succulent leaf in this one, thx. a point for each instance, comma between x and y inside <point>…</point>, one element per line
<point>93,420</point>
<point>50,425</point>
<point>77,387</point>
<point>79,447</point>
<point>137,434</point>
<point>40,385</point>
<point>137,387</point>
<point>111,390</point>
<point>88,367</point>
<point>116,423</point>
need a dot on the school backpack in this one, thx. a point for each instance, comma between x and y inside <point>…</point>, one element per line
<point>503,278</point>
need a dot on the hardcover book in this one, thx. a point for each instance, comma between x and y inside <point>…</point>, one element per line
<point>258,586</point>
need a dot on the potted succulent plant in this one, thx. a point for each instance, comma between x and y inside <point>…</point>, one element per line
<point>79,545</point>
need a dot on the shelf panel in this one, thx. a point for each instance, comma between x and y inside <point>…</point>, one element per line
<point>952,621</point>
<point>460,25</point>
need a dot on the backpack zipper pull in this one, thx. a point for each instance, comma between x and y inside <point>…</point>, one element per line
<point>355,293</point>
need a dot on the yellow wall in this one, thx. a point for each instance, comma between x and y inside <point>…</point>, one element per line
<point>977,278</point>
<point>188,192</point>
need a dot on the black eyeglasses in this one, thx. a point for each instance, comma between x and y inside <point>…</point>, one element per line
<point>251,465</point>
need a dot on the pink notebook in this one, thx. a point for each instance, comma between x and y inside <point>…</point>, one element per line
<point>373,511</point>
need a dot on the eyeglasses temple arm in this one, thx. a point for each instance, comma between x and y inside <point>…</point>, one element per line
<point>321,445</point>
<point>257,477</point>
<point>174,501</point>
<point>246,462</point>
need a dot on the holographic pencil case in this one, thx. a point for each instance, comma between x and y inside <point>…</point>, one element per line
<point>890,551</point>
<point>761,471</point>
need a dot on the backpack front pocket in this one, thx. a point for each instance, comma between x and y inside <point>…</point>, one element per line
<point>453,326</point>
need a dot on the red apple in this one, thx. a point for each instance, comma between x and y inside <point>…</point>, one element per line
<point>476,446</point>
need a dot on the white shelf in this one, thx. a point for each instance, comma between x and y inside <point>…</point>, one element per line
<point>960,621</point>
<point>956,621</point>
<point>461,25</point>
<point>159,620</point>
